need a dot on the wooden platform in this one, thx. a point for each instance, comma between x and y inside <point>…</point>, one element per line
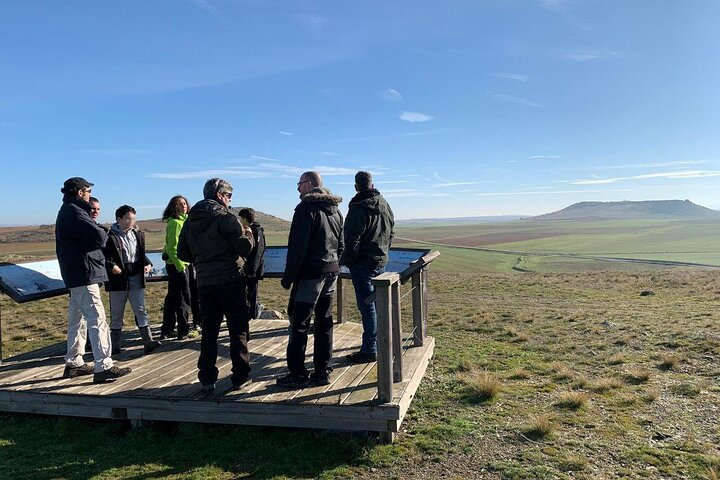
<point>164,386</point>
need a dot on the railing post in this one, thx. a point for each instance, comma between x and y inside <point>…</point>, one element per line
<point>340,300</point>
<point>418,302</point>
<point>425,276</point>
<point>383,284</point>
<point>396,333</point>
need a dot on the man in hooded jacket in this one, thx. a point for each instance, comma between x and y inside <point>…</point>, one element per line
<point>368,234</point>
<point>315,245</point>
<point>213,239</point>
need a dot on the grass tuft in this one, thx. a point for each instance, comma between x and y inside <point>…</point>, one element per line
<point>572,400</point>
<point>538,427</point>
<point>480,386</point>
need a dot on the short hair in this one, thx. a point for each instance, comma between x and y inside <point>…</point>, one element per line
<point>124,210</point>
<point>214,186</point>
<point>94,200</point>
<point>248,214</point>
<point>173,209</point>
<point>363,180</point>
<point>314,178</point>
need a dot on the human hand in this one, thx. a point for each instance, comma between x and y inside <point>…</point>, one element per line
<point>116,270</point>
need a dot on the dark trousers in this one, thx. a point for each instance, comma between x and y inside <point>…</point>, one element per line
<point>323,343</point>
<point>230,300</point>
<point>194,298</point>
<point>252,292</point>
<point>176,308</point>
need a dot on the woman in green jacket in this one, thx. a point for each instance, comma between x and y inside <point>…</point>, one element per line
<point>176,309</point>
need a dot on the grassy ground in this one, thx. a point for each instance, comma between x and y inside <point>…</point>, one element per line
<point>535,376</point>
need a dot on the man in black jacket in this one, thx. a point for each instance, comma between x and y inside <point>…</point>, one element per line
<point>213,239</point>
<point>311,269</point>
<point>78,243</point>
<point>368,234</point>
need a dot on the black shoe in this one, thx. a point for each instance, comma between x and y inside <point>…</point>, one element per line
<point>182,337</point>
<point>207,390</point>
<point>292,380</point>
<point>111,374</point>
<point>242,383</point>
<point>320,378</point>
<point>72,372</point>
<point>362,357</point>
<point>151,346</point>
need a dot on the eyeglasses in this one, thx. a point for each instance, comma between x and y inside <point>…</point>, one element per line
<point>227,194</point>
<point>304,181</point>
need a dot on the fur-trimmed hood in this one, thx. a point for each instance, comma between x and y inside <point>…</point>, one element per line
<point>322,197</point>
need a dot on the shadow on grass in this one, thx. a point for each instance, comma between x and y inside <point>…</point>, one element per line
<point>36,447</point>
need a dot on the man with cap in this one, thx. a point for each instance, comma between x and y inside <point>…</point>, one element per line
<point>78,243</point>
<point>213,239</point>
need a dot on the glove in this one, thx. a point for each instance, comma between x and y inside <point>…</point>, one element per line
<point>286,284</point>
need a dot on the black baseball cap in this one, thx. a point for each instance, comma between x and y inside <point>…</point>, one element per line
<point>75,184</point>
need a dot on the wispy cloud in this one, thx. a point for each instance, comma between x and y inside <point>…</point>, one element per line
<point>207,7</point>
<point>114,152</point>
<point>629,166</point>
<point>649,176</point>
<point>518,77</point>
<point>311,21</point>
<point>259,170</point>
<point>403,193</point>
<point>286,133</point>
<point>391,95</point>
<point>548,192</point>
<point>503,97</point>
<point>590,54</point>
<point>415,117</point>
<point>543,157</point>
<point>453,184</point>
<point>260,157</point>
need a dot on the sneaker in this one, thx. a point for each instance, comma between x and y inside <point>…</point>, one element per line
<point>152,346</point>
<point>72,372</point>
<point>111,374</point>
<point>242,383</point>
<point>362,357</point>
<point>183,337</point>
<point>320,378</point>
<point>292,380</point>
<point>193,334</point>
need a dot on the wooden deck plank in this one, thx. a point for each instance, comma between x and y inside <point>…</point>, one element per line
<point>163,386</point>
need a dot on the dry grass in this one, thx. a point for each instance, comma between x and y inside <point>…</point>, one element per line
<point>637,375</point>
<point>711,474</point>
<point>651,394</point>
<point>668,361</point>
<point>538,427</point>
<point>480,386</point>
<point>572,400</point>
<point>520,374</point>
<point>605,384</point>
<point>616,359</point>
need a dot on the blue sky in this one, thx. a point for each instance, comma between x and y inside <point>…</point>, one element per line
<point>460,108</point>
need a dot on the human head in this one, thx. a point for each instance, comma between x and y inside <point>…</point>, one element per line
<point>363,181</point>
<point>77,187</point>
<point>248,214</point>
<point>94,208</point>
<point>175,207</point>
<point>125,217</point>
<point>219,190</point>
<point>308,181</point>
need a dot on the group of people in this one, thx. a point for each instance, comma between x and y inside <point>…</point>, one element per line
<point>214,260</point>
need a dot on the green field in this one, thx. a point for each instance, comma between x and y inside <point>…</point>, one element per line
<point>546,367</point>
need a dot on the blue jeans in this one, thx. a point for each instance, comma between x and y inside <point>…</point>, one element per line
<point>361,276</point>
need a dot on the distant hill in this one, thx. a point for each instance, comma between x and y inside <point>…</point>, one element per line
<point>647,210</point>
<point>423,222</point>
<point>46,233</point>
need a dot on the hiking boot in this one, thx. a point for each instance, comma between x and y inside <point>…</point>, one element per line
<point>320,378</point>
<point>152,346</point>
<point>239,385</point>
<point>292,380</point>
<point>72,372</point>
<point>362,357</point>
<point>111,374</point>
